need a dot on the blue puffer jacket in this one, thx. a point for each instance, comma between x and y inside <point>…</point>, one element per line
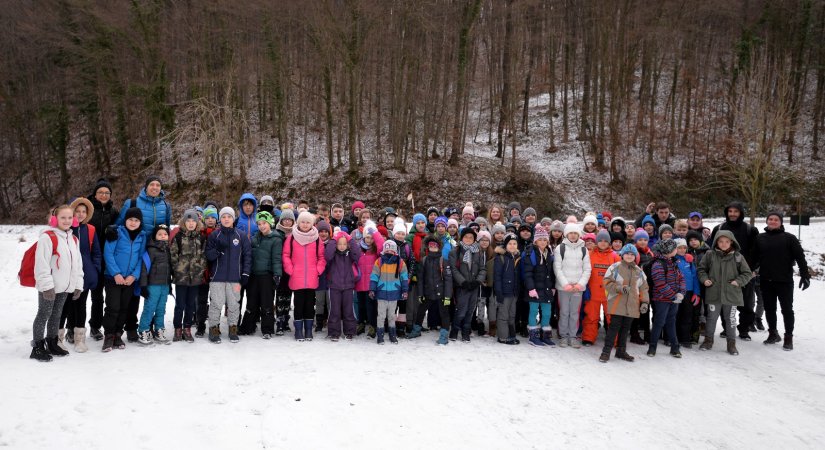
<point>247,225</point>
<point>505,268</point>
<point>155,210</point>
<point>90,254</point>
<point>123,256</point>
<point>229,254</point>
<point>690,273</point>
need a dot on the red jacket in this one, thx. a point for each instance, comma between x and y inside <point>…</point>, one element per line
<point>599,262</point>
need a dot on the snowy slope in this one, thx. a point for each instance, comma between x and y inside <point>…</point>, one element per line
<point>279,393</point>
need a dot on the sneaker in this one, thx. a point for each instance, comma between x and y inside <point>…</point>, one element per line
<point>333,338</point>
<point>96,334</point>
<point>119,344</point>
<point>108,343</point>
<point>160,337</point>
<point>744,336</point>
<point>371,332</point>
<point>506,341</point>
<point>279,332</point>
<point>266,336</point>
<point>676,354</point>
<point>187,335</point>
<point>131,335</point>
<point>752,328</point>
<point>145,338</point>
<point>621,354</point>
<point>348,337</point>
<point>723,334</point>
<point>576,343</point>
<point>200,333</point>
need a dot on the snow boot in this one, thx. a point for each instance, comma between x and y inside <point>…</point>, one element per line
<point>200,332</point>
<point>371,332</point>
<point>707,344</point>
<point>493,329</point>
<point>80,340</point>
<point>546,337</point>
<point>442,337</point>
<point>480,329</point>
<point>187,335</point>
<point>380,335</point>
<point>465,335</point>
<point>178,335</point>
<point>53,347</point>
<point>676,353</point>
<point>416,332</point>
<point>564,342</point>
<point>393,335</point>
<point>651,351</point>
<point>39,352</point>
<point>788,345</point>
<point>453,333</point>
<point>215,335</point>
<point>319,323</point>
<point>605,357</point>
<point>535,340</point>
<point>636,339</point>
<point>61,336</point>
<point>299,330</point>
<point>360,329</point>
<point>400,329</point>
<point>773,337</point>
<point>308,329</point>
<point>119,344</point>
<point>108,343</point>
<point>96,334</point>
<point>621,353</point>
<point>732,347</point>
<point>233,334</point>
<point>279,326</point>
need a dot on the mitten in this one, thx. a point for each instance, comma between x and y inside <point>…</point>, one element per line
<point>76,294</point>
<point>244,280</point>
<point>111,233</point>
<point>533,293</point>
<point>446,302</point>
<point>679,297</point>
<point>49,295</point>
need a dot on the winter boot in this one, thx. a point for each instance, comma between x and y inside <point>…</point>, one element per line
<point>465,335</point>
<point>131,335</point>
<point>773,337</point>
<point>360,329</point>
<point>788,345</point>
<point>621,353</point>
<point>80,340</point>
<point>759,325</point>
<point>371,332</point>
<point>400,329</point>
<point>233,334</point>
<point>546,337</point>
<point>187,335</point>
<point>215,335</point>
<point>535,340</point>
<point>299,330</point>
<point>319,323</point>
<point>145,338</point>
<point>39,352</point>
<point>178,335</point>
<point>480,329</point>
<point>416,332</point>
<point>200,332</point>
<point>564,342</point>
<point>651,351</point>
<point>732,347</point>
<point>68,337</point>
<point>605,357</point>
<point>512,333</point>
<point>442,337</point>
<point>54,348</point>
<point>119,344</point>
<point>493,329</point>
<point>676,353</point>
<point>96,334</point>
<point>308,329</point>
<point>393,335</point>
<point>160,337</point>
<point>453,333</point>
<point>380,334</point>
<point>576,343</point>
<point>707,344</point>
<point>108,343</point>
<point>636,339</point>
<point>279,326</point>
<point>61,336</point>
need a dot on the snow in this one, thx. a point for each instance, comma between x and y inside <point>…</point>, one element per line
<point>280,393</point>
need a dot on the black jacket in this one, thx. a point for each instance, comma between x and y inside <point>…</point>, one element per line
<point>775,252</point>
<point>160,272</point>
<point>538,274</point>
<point>744,233</point>
<point>103,216</point>
<point>435,277</point>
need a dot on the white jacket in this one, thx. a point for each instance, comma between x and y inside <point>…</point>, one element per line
<point>573,269</point>
<point>63,275</point>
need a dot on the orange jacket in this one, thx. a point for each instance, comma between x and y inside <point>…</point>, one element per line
<point>599,262</point>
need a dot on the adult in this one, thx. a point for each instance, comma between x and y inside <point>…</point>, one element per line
<point>105,214</point>
<point>695,223</point>
<point>775,253</point>
<point>155,209</point>
<point>746,236</point>
<point>660,212</point>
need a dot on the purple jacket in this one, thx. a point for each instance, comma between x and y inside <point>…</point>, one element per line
<point>341,268</point>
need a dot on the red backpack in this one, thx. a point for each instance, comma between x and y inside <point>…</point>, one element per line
<point>26,273</point>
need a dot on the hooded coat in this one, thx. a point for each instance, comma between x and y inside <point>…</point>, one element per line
<point>722,268</point>
<point>245,224</point>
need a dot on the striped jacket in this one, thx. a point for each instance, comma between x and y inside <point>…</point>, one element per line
<point>667,279</point>
<point>389,278</point>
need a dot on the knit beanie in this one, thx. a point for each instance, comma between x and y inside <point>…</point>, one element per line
<point>468,209</point>
<point>608,216</point>
<point>680,242</point>
<point>693,234</point>
<point>516,219</point>
<point>481,221</point>
<point>615,237</point>
<point>510,237</point>
<point>777,214</point>
<point>432,209</point>
<point>665,227</point>
<point>267,199</point>
<point>305,217</point>
<point>571,228</point>
<point>603,235</point>
<point>629,248</point>
<point>190,214</point>
<point>419,218</point>
<point>357,205</point>
<point>484,234</point>
<point>133,213</point>
<point>589,237</point>
<point>150,179</point>
<point>590,219</point>
<point>227,210</point>
<point>557,225</point>
<point>341,234</point>
<point>452,222</point>
<point>390,247</point>
<point>466,231</point>
<point>648,219</point>
<point>571,219</point>
<point>102,183</point>
<point>264,216</point>
<point>641,234</point>
<point>499,228</point>
<point>158,228</point>
<point>322,225</point>
<point>547,222</point>
<point>541,233</point>
<point>287,214</point>
<point>665,246</point>
<point>600,219</point>
<point>210,212</point>
<point>530,211</point>
<point>441,220</point>
<point>399,227</point>
<point>514,205</point>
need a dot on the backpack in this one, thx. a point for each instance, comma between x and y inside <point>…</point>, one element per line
<point>561,252</point>
<point>647,268</point>
<point>26,273</point>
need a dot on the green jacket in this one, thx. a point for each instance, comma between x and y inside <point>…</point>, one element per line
<point>722,268</point>
<point>266,254</point>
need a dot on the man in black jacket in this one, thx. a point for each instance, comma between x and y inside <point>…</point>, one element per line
<point>746,236</point>
<point>660,212</point>
<point>105,214</point>
<point>775,253</point>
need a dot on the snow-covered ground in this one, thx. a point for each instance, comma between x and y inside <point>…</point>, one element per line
<point>284,394</point>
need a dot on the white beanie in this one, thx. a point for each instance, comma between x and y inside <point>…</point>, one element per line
<point>589,219</point>
<point>571,228</point>
<point>227,210</point>
<point>680,242</point>
<point>399,227</point>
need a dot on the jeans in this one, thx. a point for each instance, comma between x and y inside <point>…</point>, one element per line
<point>185,304</point>
<point>665,318</point>
<point>154,307</point>
<point>545,314</point>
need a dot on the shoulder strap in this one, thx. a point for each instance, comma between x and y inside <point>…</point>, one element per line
<point>179,240</point>
<point>91,229</point>
<point>132,202</point>
<point>584,253</point>
<point>561,251</point>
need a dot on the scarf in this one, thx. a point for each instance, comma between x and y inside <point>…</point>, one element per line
<point>304,238</point>
<point>469,250</point>
<point>287,231</point>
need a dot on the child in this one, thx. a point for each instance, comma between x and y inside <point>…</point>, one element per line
<point>572,268</point>
<point>56,278</point>
<point>188,270</point>
<point>601,258</point>
<point>155,278</point>
<point>590,224</point>
<point>388,285</point>
<point>723,271</point>
<point>304,262</point>
<point>643,256</point>
<point>525,236</point>
<point>698,248</point>
<point>556,234</point>
<point>399,236</point>
<point>210,220</point>
<point>649,226</point>
<point>229,253</point>
<point>487,304</point>
<point>539,280</point>
<point>452,229</point>
<point>468,268</point>
<point>627,297</point>
<point>248,207</point>
<point>689,308</point>
<point>668,292</point>
<point>267,268</point>
<point>506,285</point>
<point>283,294</point>
<point>447,242</point>
<point>498,231</point>
<point>336,219</point>
<point>322,292</point>
<point>468,214</point>
<point>680,229</point>
<point>435,286</point>
<point>617,241</point>
<point>123,267</point>
<point>415,240</point>
<point>530,216</point>
<point>432,214</point>
<point>589,241</point>
<point>665,232</point>
<point>342,254</point>
<point>370,241</point>
<point>267,204</point>
<point>630,228</point>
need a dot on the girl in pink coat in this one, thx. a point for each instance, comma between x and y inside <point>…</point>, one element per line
<point>371,242</point>
<point>304,261</point>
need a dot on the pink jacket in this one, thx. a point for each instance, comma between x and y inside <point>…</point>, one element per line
<point>305,265</point>
<point>366,262</point>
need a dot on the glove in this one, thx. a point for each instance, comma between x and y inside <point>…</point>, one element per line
<point>446,302</point>
<point>533,293</point>
<point>643,308</point>
<point>76,294</point>
<point>695,300</point>
<point>679,297</point>
<point>626,290</point>
<point>422,299</point>
<point>244,280</point>
<point>804,283</point>
<point>49,295</point>
<point>413,279</point>
<point>404,296</point>
<point>111,233</point>
<point>372,294</point>
<point>277,280</point>
<point>144,292</point>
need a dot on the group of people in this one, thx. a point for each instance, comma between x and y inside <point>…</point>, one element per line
<point>498,271</point>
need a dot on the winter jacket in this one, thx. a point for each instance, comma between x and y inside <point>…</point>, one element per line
<point>436,278</point>
<point>775,253</point>
<point>722,268</point>
<point>744,233</point>
<point>63,273</point>
<point>688,268</point>
<point>229,254</point>
<point>367,260</point>
<point>103,216</point>
<point>247,225</point>
<point>667,279</point>
<point>155,210</point>
<point>447,245</point>
<point>303,263</point>
<point>342,267</point>
<point>187,250</point>
<point>267,254</point>
<point>461,272</point>
<point>574,266</point>
<point>406,253</point>
<point>671,220</point>
<point>159,271</point>
<point>539,273</point>
<point>506,270</point>
<point>645,255</point>
<point>623,274</point>
<point>698,253</point>
<point>416,241</point>
<point>206,232</point>
<point>600,261</point>
<point>389,278</point>
<point>123,256</point>
<point>90,253</point>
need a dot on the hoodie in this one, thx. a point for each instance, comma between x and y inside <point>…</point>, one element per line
<point>744,233</point>
<point>246,224</point>
<point>722,268</point>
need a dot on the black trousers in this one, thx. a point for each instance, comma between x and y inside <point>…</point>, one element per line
<point>74,312</point>
<point>642,324</point>
<point>783,292</point>
<point>260,304</point>
<point>304,304</point>
<point>202,310</point>
<point>118,302</point>
<point>131,321</point>
<point>443,317</point>
<point>619,326</point>
<point>746,312</point>
<point>686,317</point>
<point>96,319</point>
